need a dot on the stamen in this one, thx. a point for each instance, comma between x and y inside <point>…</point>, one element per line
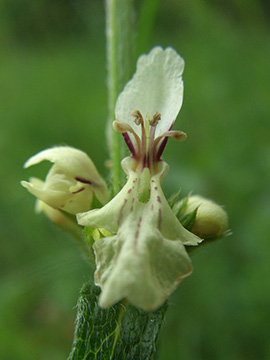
<point>122,127</point>
<point>157,146</point>
<point>142,142</point>
<point>156,118</point>
<point>146,149</point>
<point>138,117</point>
<point>160,145</point>
<point>176,135</point>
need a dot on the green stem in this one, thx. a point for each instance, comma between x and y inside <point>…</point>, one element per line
<point>118,326</point>
<point>119,33</point>
<point>146,22</point>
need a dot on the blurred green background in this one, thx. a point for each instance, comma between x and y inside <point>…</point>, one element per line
<point>53,91</point>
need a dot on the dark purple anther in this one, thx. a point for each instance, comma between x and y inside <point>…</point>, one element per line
<point>84,181</point>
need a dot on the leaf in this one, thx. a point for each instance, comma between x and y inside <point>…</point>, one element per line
<point>180,207</point>
<point>122,332</point>
<point>173,199</point>
<point>188,220</point>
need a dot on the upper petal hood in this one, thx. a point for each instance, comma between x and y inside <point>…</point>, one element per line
<point>156,87</point>
<point>70,183</point>
<point>71,161</point>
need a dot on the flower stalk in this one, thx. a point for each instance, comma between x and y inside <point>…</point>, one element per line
<point>119,34</point>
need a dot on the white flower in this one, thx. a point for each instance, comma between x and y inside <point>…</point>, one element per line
<point>144,259</point>
<point>65,221</point>
<point>71,182</point>
<point>154,98</point>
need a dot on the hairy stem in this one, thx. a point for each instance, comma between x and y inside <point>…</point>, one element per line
<point>119,33</point>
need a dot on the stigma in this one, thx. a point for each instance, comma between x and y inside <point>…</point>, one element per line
<point>147,148</point>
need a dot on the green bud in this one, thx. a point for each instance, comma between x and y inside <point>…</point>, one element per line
<point>211,219</point>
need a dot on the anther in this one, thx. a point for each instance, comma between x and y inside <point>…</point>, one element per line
<point>121,127</point>
<point>155,119</point>
<point>176,135</point>
<point>138,117</point>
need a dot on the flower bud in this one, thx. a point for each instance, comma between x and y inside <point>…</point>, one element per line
<point>70,184</point>
<point>211,219</point>
<point>57,217</point>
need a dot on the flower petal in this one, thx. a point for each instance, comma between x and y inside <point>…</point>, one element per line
<point>111,214</point>
<point>71,181</point>
<point>72,161</point>
<point>145,259</point>
<point>59,199</point>
<point>59,218</point>
<point>145,269</point>
<point>156,87</point>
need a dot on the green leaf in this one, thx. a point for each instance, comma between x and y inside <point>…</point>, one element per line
<point>180,207</point>
<point>173,199</point>
<point>188,220</point>
<point>121,332</point>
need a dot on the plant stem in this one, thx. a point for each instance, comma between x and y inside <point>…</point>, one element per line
<point>119,33</point>
<point>146,22</point>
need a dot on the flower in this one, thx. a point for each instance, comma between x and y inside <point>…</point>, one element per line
<point>211,218</point>
<point>70,184</point>
<point>65,221</point>
<point>147,108</point>
<point>144,259</point>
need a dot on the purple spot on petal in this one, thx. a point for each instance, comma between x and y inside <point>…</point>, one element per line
<point>84,181</point>
<point>158,199</point>
<point>76,192</point>
<point>155,187</point>
<point>159,218</point>
<point>121,212</point>
<point>131,209</point>
<point>137,234</point>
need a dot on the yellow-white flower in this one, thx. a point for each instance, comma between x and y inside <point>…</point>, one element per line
<point>144,259</point>
<point>71,183</point>
<point>148,106</point>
